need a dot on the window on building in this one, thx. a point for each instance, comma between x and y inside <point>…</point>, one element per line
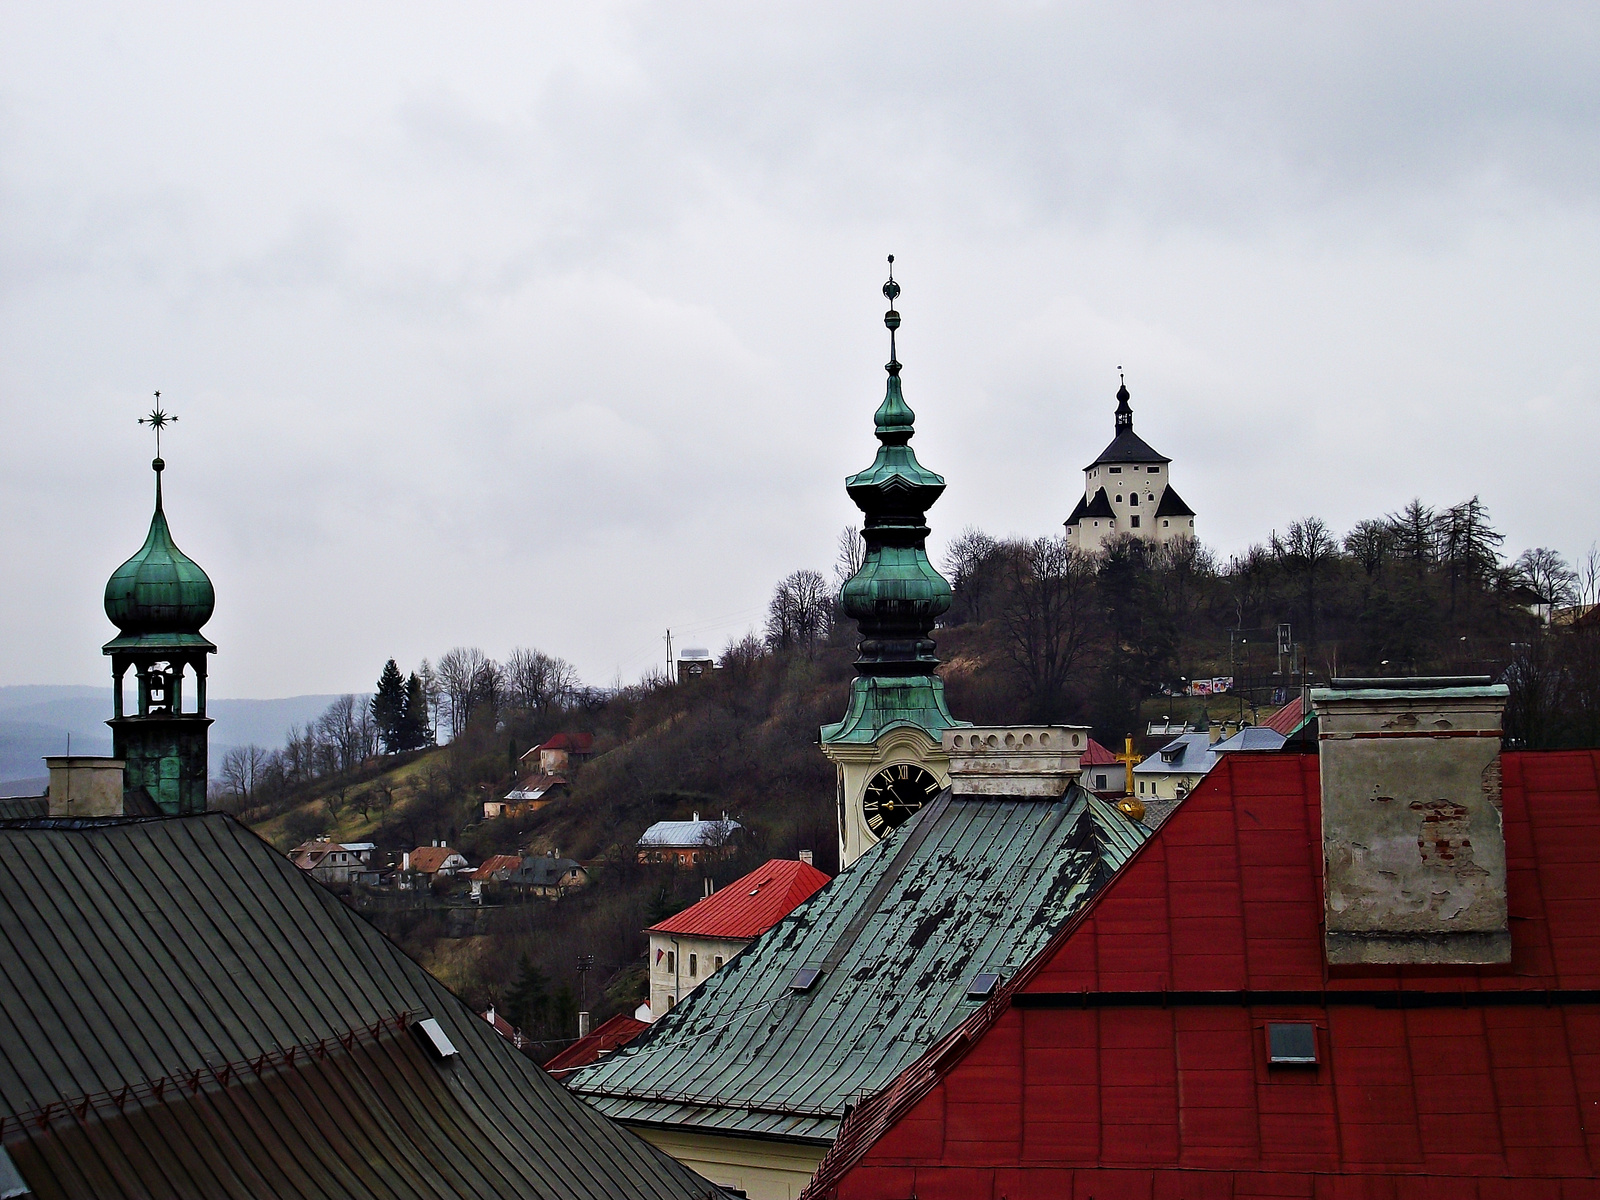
<point>694,966</point>
<point>1191,522</point>
<point>1133,497</point>
<point>716,963</point>
<point>1116,470</point>
<point>1165,524</point>
<point>1100,782</point>
<point>1119,497</point>
<point>1134,520</point>
<point>1150,497</point>
<point>672,962</point>
<point>1153,470</point>
<point>670,1001</point>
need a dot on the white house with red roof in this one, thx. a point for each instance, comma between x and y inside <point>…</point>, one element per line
<point>687,949</point>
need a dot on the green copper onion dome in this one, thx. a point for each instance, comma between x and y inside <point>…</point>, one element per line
<point>160,590</point>
<point>897,595</point>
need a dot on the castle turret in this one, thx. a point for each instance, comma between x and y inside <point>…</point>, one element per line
<point>1125,491</point>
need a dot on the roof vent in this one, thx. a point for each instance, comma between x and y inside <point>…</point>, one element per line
<point>432,1035</point>
<point>805,979</point>
<point>1292,1045</point>
<point>983,985</point>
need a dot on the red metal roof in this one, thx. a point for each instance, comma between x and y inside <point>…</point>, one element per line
<point>573,743</point>
<point>1129,1058</point>
<point>618,1031</point>
<point>497,862</point>
<point>1287,719</point>
<point>1098,756</point>
<point>750,906</point>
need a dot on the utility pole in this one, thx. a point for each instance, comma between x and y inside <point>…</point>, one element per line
<point>585,965</point>
<point>669,656</point>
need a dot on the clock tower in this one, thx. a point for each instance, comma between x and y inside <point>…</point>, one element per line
<point>887,748</point>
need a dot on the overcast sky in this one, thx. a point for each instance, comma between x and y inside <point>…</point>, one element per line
<point>557,325</point>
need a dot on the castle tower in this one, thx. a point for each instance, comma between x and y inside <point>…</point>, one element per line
<point>1125,490</point>
<point>158,600</point>
<point>887,747</point>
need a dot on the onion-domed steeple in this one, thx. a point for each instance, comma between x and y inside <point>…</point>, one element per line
<point>160,594</point>
<point>897,709</point>
<point>159,600</point>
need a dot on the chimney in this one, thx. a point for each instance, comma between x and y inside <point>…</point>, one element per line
<point>583,1024</point>
<point>1014,760</point>
<point>807,858</point>
<point>81,786</point>
<point>1413,849</point>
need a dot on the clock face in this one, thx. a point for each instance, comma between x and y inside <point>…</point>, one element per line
<point>894,795</point>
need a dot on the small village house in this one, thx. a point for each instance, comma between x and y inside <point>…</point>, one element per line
<point>333,862</point>
<point>688,948</point>
<point>437,861</point>
<point>548,876</point>
<point>688,843</point>
<point>546,772</point>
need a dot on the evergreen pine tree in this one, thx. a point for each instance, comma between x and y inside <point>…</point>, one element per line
<point>414,730</point>
<point>527,1004</point>
<point>388,707</point>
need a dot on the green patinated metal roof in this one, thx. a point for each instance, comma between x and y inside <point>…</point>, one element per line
<point>160,597</point>
<point>968,885</point>
<point>880,703</point>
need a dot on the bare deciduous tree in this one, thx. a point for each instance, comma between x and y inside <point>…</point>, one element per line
<point>458,677</point>
<point>538,681</point>
<point>1048,617</point>
<point>973,564</point>
<point>800,611</point>
<point>852,553</point>
<point>1548,574</point>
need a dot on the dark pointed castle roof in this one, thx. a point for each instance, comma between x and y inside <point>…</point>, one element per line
<point>1172,505</point>
<point>1127,446</point>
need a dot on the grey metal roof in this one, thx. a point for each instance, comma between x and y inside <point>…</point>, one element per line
<point>1172,505</point>
<point>687,833</point>
<point>1251,737</point>
<point>969,884</point>
<point>158,972</point>
<point>1188,754</point>
<point>14,808</point>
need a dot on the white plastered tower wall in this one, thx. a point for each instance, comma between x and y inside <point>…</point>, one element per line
<point>857,764</point>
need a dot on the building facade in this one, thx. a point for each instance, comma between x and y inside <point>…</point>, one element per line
<point>1127,491</point>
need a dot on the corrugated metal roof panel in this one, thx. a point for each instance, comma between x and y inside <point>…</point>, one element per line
<point>142,950</point>
<point>967,884</point>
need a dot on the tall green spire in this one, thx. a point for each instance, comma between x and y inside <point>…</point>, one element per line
<point>896,596</point>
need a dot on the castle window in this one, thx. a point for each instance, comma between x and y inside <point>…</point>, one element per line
<point>672,963</point>
<point>1119,497</point>
<point>1116,470</point>
<point>1191,522</point>
<point>717,963</point>
<point>1150,496</point>
<point>1134,520</point>
<point>1165,524</point>
<point>1133,498</point>
<point>1153,470</point>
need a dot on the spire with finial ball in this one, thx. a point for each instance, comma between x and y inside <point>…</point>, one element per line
<point>891,319</point>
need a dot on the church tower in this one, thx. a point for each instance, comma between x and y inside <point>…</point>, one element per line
<point>158,600</point>
<point>1125,491</point>
<point>887,747</point>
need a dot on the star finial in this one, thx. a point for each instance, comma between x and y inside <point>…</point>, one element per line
<point>158,420</point>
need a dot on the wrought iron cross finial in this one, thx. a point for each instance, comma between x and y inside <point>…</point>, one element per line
<point>158,420</point>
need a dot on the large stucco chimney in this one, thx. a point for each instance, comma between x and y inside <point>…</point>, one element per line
<point>1014,760</point>
<point>1413,849</point>
<point>84,786</point>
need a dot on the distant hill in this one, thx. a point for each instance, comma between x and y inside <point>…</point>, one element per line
<point>35,720</point>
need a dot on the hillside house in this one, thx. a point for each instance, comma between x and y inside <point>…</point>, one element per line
<point>688,948</point>
<point>548,875</point>
<point>688,843</point>
<point>437,861</point>
<point>333,862</point>
<point>561,755</point>
<point>1104,773</point>
<point>1171,773</point>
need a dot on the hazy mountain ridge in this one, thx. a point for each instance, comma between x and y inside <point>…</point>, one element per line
<point>35,720</point>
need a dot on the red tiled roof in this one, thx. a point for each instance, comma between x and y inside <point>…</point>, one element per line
<point>1098,756</point>
<point>429,859</point>
<point>748,907</point>
<point>496,862</point>
<point>618,1031</point>
<point>1287,719</point>
<point>1126,1096</point>
<point>573,743</point>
